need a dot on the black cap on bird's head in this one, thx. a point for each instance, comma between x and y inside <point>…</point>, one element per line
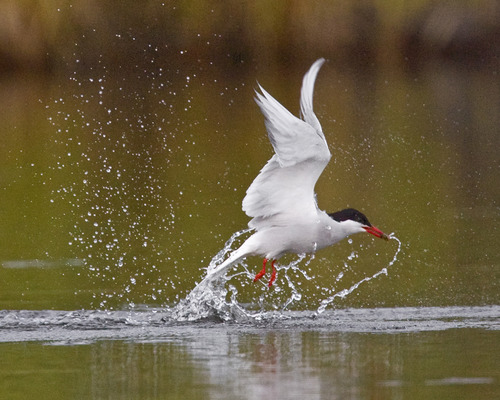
<point>357,216</point>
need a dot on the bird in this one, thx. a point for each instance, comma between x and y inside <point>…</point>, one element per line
<point>281,201</point>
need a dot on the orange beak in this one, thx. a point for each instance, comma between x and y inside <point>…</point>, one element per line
<point>376,232</point>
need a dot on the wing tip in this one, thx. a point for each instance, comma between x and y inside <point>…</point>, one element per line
<point>261,95</point>
<point>319,62</point>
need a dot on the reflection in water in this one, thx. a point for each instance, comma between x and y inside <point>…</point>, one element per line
<point>117,371</point>
<point>351,354</point>
<point>291,365</point>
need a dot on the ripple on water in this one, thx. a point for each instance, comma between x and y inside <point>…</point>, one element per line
<point>82,326</point>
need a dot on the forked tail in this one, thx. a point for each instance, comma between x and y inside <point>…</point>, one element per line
<point>219,270</point>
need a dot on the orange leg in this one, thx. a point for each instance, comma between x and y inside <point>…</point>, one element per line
<point>262,272</point>
<point>273,275</point>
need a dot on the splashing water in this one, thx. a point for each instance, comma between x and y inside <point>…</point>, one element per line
<point>207,299</point>
<point>344,293</point>
<point>212,299</point>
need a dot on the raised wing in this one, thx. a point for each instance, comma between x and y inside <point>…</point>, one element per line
<point>283,192</point>
<point>306,96</point>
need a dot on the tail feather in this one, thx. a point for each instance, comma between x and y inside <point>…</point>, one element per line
<point>220,269</point>
<point>216,272</point>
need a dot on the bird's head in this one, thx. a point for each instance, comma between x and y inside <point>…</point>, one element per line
<point>354,221</point>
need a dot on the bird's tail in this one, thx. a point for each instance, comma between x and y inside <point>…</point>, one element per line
<point>214,273</point>
<point>207,296</point>
<point>219,270</point>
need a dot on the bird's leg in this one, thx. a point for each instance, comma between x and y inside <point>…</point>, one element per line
<point>262,272</point>
<point>273,275</point>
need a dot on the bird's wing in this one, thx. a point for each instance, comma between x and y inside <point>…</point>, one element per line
<point>283,192</point>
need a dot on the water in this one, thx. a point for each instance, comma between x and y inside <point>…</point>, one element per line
<point>118,187</point>
<point>87,326</point>
<point>446,353</point>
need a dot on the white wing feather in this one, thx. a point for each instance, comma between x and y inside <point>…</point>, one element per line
<point>306,97</point>
<point>283,192</point>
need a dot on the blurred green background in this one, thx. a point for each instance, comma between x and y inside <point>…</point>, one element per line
<point>129,136</point>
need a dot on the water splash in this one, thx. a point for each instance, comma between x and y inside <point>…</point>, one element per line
<point>208,298</point>
<point>294,266</point>
<point>212,298</point>
<point>344,293</point>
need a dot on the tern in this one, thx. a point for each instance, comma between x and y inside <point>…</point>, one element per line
<point>281,200</point>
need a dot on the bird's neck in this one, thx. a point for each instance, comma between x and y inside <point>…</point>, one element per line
<point>338,230</point>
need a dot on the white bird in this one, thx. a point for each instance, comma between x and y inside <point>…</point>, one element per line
<point>281,200</point>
